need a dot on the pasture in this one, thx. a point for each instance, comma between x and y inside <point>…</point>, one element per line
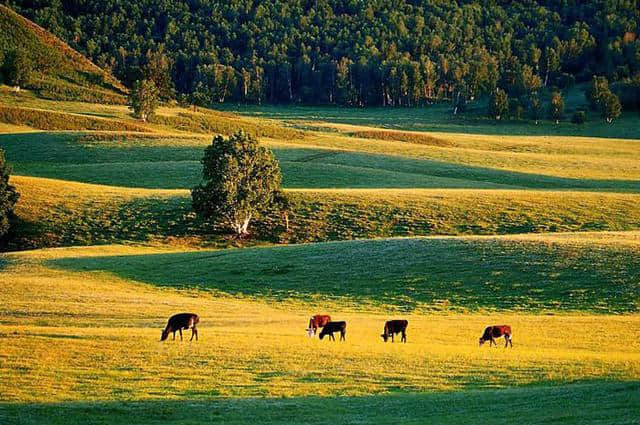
<point>539,231</point>
<point>77,336</point>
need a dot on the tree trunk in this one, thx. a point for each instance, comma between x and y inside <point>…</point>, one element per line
<point>241,226</point>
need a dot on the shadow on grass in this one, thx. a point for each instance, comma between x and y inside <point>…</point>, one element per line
<point>601,403</point>
<point>148,164</point>
<point>454,273</point>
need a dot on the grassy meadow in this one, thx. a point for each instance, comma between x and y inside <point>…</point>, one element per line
<point>449,222</point>
<point>77,335</point>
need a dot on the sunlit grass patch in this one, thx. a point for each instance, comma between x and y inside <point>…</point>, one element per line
<point>86,335</point>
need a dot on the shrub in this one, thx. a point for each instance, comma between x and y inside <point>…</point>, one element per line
<point>579,117</point>
<point>8,196</point>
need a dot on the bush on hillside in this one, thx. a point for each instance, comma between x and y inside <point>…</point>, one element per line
<point>579,117</point>
<point>8,196</point>
<point>18,69</point>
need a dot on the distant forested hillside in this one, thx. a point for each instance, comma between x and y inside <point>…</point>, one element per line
<point>350,52</point>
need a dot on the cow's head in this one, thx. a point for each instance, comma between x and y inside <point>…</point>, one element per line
<point>165,333</point>
<point>481,341</point>
<point>310,332</point>
<point>385,337</point>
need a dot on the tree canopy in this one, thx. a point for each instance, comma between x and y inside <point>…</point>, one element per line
<point>241,181</point>
<point>384,52</point>
<point>144,99</point>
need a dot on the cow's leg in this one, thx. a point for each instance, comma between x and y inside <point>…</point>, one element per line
<point>508,340</point>
<point>342,333</point>
<point>404,336</point>
<point>194,332</point>
<point>180,334</point>
<point>392,334</point>
<point>493,341</point>
<point>174,335</point>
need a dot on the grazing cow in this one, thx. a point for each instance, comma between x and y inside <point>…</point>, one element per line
<point>491,332</point>
<point>393,327</point>
<point>181,321</point>
<point>317,321</point>
<point>332,327</point>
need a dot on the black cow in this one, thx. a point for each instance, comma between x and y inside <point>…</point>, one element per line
<point>393,327</point>
<point>332,327</point>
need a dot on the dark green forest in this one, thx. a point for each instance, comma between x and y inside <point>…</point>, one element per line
<point>353,52</point>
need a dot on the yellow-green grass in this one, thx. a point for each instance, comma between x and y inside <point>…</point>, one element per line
<point>438,118</point>
<point>55,213</point>
<point>520,273</point>
<point>580,158</point>
<point>92,337</point>
<point>48,115</point>
<point>170,161</point>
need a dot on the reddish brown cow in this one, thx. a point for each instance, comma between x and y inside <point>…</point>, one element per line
<point>491,332</point>
<point>317,321</point>
<point>181,321</point>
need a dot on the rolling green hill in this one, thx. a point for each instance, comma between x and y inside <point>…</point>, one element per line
<point>60,72</point>
<point>572,272</point>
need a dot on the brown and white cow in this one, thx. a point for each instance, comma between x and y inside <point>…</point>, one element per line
<point>317,321</point>
<point>393,327</point>
<point>497,331</point>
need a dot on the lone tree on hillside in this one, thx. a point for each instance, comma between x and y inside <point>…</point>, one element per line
<point>556,108</point>
<point>498,104</point>
<point>8,196</point>
<point>241,181</point>
<point>610,108</point>
<point>17,68</point>
<point>144,99</point>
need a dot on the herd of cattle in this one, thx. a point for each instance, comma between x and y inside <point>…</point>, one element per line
<point>184,321</point>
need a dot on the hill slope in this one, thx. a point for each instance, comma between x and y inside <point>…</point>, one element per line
<point>60,72</point>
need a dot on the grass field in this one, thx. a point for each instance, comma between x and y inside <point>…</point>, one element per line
<point>66,312</point>
<point>438,118</point>
<point>595,403</point>
<point>80,324</point>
